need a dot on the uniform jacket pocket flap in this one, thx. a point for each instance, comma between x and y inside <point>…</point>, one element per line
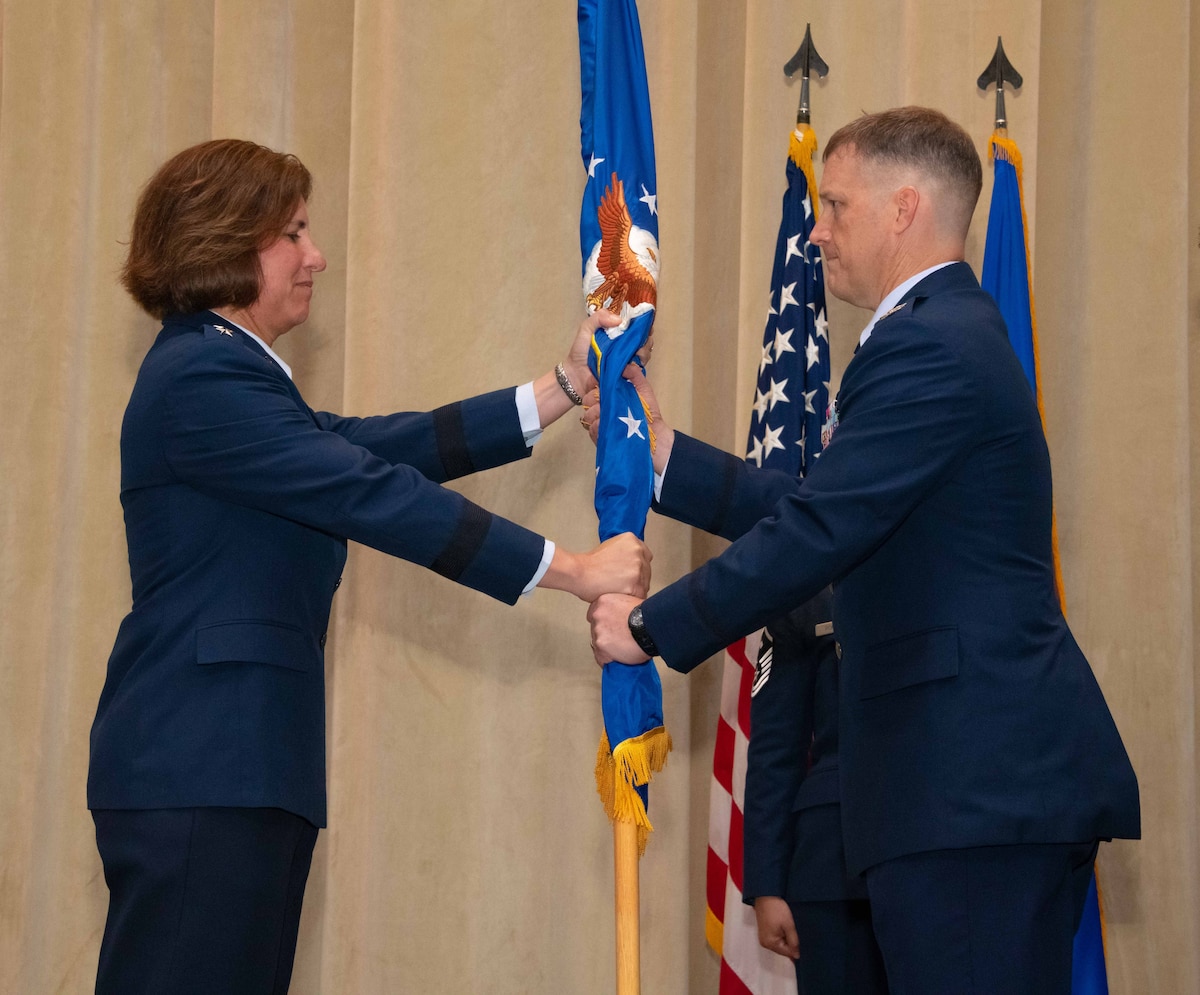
<point>255,642</point>
<point>914,659</point>
<point>820,787</point>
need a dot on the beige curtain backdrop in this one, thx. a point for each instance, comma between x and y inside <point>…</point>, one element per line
<point>467,851</point>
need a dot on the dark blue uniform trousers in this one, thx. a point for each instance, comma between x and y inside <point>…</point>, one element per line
<point>994,920</point>
<point>838,952</point>
<point>201,900</point>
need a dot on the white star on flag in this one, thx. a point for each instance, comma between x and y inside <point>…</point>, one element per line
<point>811,354</point>
<point>593,164</point>
<point>766,359</point>
<point>760,404</point>
<point>633,424</point>
<point>771,440</point>
<point>808,399</point>
<point>821,325</point>
<point>649,199</point>
<point>783,343</point>
<point>807,207</point>
<point>771,303</point>
<point>756,453</point>
<point>776,395</point>
<point>793,248</point>
<point>786,298</point>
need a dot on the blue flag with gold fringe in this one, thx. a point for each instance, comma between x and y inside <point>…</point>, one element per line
<point>1006,277</point>
<point>618,234</point>
<point>1006,254</point>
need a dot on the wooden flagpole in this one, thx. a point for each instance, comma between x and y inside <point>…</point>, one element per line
<point>625,865</point>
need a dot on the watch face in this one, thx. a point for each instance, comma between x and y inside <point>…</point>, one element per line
<point>637,629</point>
<point>636,625</point>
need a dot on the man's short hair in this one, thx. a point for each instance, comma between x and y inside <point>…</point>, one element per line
<point>202,220</point>
<point>922,138</point>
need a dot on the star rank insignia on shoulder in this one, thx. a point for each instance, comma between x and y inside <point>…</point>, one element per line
<point>223,330</point>
<point>888,314</point>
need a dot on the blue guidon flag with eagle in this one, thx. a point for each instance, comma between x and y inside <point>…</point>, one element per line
<point>618,234</point>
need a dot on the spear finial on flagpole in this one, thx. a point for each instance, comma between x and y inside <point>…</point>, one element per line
<point>1000,71</point>
<point>806,60</point>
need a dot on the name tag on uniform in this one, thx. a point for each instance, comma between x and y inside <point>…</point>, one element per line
<point>823,629</point>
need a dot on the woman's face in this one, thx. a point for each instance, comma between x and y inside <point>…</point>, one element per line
<point>288,265</point>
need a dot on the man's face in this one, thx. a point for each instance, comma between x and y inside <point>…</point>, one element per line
<point>853,229</point>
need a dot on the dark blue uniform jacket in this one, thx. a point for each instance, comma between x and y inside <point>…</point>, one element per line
<point>238,502</point>
<point>969,715</point>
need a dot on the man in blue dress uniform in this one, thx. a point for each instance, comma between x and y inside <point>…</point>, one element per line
<point>979,764</point>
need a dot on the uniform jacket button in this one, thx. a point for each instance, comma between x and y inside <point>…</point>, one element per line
<point>323,635</point>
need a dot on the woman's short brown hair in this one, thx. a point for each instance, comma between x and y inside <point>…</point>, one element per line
<point>201,221</point>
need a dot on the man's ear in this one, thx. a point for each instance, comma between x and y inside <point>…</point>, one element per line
<point>906,200</point>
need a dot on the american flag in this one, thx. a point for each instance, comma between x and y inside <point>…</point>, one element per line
<point>793,371</point>
<point>790,400</point>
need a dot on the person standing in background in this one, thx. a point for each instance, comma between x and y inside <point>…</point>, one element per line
<point>807,907</point>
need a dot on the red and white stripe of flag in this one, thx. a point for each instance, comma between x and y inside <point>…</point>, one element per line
<point>746,968</point>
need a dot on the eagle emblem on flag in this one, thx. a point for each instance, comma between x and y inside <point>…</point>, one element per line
<point>621,273</point>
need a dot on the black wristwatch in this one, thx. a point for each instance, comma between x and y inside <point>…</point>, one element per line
<point>637,628</point>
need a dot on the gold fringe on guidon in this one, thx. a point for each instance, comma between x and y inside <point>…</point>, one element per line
<point>631,763</point>
<point>649,425</point>
<point>802,149</point>
<point>1005,149</point>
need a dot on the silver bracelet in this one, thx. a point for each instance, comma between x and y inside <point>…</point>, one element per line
<point>564,382</point>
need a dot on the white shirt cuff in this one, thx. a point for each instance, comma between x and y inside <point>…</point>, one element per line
<point>531,424</point>
<point>540,572</point>
<point>658,480</point>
